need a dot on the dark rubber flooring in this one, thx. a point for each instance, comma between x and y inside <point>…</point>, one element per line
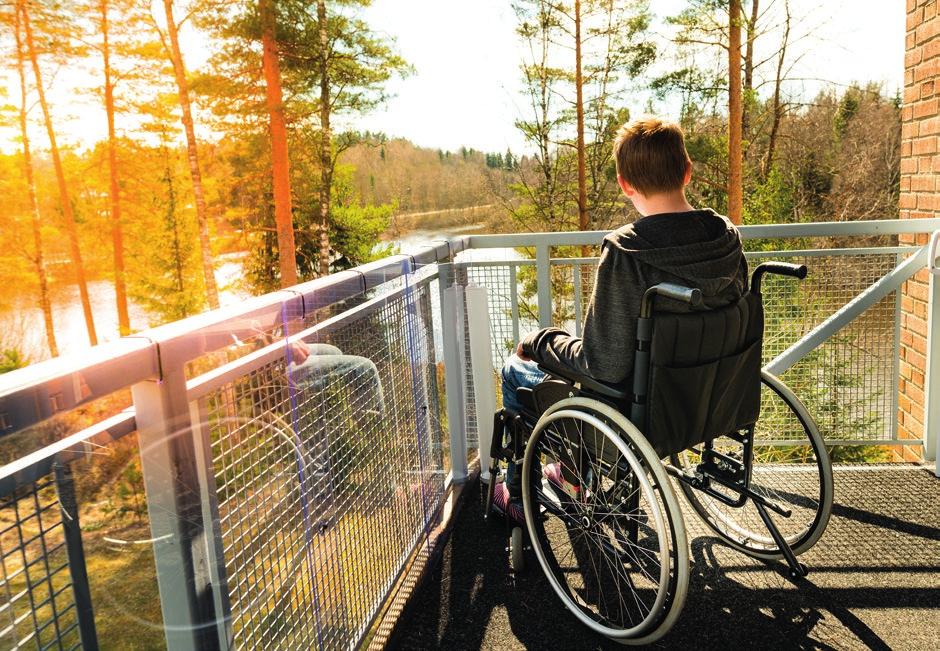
<point>874,583</point>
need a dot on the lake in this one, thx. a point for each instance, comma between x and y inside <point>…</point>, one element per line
<point>21,322</point>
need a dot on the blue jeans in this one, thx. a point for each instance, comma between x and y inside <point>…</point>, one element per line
<point>328,366</point>
<point>517,374</point>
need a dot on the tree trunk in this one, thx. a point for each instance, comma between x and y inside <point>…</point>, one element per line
<point>326,155</point>
<point>117,235</point>
<point>67,212</point>
<point>767,163</point>
<point>280,164</point>
<point>176,56</point>
<point>749,64</point>
<point>579,110</point>
<point>38,259</point>
<point>735,189</point>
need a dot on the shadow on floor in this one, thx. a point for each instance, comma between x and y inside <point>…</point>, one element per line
<point>854,597</point>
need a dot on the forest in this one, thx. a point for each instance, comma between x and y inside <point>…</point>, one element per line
<point>240,157</point>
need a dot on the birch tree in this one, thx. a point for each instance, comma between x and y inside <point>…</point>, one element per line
<point>171,44</point>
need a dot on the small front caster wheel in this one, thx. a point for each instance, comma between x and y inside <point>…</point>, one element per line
<point>516,551</point>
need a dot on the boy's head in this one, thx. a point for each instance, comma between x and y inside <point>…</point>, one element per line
<point>651,158</point>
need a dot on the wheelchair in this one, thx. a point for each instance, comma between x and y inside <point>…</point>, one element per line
<point>598,501</point>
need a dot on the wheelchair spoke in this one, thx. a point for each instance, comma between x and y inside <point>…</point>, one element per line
<point>795,476</point>
<point>600,534</point>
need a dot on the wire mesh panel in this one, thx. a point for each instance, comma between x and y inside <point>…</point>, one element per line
<point>328,473</point>
<point>849,383</point>
<point>37,608</point>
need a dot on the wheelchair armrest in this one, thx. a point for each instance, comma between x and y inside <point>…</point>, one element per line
<point>587,383</point>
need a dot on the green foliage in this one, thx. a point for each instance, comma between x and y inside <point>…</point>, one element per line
<point>545,195</point>
<point>11,359</point>
<point>169,282</point>
<point>356,228</point>
<point>770,201</point>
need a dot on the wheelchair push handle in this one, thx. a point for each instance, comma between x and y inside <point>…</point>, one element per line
<point>778,268</point>
<point>690,295</point>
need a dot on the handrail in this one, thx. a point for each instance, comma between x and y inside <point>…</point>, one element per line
<point>33,394</point>
<point>774,231</point>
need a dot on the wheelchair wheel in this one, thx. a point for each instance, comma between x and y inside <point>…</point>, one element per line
<point>604,521</point>
<point>791,467</point>
<point>517,550</point>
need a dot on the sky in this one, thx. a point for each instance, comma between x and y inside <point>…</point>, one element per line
<point>465,88</point>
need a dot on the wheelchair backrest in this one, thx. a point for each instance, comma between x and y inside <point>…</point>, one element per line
<point>704,378</point>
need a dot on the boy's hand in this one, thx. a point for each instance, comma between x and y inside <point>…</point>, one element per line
<point>521,354</point>
<point>299,351</point>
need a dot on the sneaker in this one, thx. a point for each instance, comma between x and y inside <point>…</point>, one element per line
<point>553,473</point>
<point>508,507</point>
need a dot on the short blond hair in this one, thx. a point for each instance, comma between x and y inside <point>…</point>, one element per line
<point>650,155</point>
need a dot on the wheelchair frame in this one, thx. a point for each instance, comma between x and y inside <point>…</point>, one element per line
<point>715,468</point>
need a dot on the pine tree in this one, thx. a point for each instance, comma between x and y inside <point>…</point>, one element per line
<point>37,258</point>
<point>65,201</point>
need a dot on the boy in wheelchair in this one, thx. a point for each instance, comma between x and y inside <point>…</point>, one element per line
<point>672,242</point>
<point>665,388</point>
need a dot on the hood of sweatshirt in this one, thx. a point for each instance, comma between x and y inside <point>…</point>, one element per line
<point>700,248</point>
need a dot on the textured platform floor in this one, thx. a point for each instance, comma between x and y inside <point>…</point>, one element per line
<point>874,583</point>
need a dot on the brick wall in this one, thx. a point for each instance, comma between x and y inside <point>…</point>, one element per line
<point>920,198</point>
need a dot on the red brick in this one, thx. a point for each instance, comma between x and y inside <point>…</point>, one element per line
<point>926,70</point>
<point>930,126</point>
<point>925,108</point>
<point>930,10</point>
<point>917,361</point>
<point>915,19</point>
<point>916,291</point>
<point>928,202</point>
<point>930,50</point>
<point>923,182</point>
<point>926,31</point>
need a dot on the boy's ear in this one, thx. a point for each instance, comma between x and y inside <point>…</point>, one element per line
<point>688,174</point>
<point>626,187</point>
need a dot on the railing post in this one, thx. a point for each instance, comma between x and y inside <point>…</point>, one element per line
<point>174,503</point>
<point>452,319</point>
<point>543,278</point>
<point>209,499</point>
<point>81,591</point>
<point>932,374</point>
<point>481,360</point>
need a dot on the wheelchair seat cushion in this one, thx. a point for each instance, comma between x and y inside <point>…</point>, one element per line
<point>704,374</point>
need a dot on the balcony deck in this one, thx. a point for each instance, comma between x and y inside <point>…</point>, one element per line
<point>874,583</point>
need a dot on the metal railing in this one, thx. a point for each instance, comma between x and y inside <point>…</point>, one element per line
<point>835,338</point>
<point>284,500</point>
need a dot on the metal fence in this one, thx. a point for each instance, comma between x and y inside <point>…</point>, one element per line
<point>275,503</point>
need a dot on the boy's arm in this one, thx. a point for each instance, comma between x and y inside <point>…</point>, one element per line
<point>606,351</point>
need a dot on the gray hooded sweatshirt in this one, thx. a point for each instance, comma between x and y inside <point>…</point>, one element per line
<point>696,249</point>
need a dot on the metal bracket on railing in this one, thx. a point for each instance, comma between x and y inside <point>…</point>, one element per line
<point>932,253</point>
